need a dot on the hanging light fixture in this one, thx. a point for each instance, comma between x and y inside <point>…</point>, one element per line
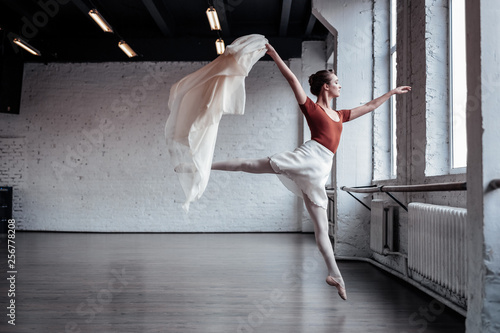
<point>213,19</point>
<point>219,45</point>
<point>127,49</point>
<point>26,46</point>
<point>100,20</point>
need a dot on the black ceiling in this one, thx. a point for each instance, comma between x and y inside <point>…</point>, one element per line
<point>158,30</point>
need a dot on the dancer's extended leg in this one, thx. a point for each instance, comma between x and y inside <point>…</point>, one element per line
<point>320,221</point>
<point>246,165</point>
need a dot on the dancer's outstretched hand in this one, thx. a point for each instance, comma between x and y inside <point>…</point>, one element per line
<point>402,90</point>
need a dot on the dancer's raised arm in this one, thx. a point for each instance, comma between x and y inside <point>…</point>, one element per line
<point>372,105</point>
<point>299,92</point>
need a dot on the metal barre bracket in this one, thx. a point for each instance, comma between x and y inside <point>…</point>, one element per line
<point>493,185</point>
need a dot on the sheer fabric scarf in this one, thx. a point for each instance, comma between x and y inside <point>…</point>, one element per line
<point>197,103</point>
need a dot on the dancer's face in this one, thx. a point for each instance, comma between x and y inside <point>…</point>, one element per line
<point>334,86</point>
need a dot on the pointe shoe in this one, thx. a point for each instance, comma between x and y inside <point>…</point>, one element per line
<point>340,289</point>
<point>185,168</point>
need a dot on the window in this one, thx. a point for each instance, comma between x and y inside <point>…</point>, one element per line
<point>392,45</point>
<point>458,86</point>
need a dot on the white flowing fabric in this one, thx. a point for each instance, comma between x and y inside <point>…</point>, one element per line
<point>197,103</point>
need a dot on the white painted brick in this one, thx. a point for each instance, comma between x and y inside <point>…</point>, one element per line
<point>112,170</point>
<point>12,170</point>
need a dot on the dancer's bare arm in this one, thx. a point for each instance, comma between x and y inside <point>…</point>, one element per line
<point>372,105</point>
<point>299,92</point>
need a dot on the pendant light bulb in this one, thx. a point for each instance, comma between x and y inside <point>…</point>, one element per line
<point>213,19</point>
<point>219,45</point>
<point>127,49</point>
<point>26,46</point>
<point>97,17</point>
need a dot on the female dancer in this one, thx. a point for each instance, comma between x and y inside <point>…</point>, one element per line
<point>310,164</point>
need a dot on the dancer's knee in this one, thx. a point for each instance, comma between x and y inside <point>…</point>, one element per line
<point>321,234</point>
<point>246,165</point>
<point>322,229</point>
<point>256,166</point>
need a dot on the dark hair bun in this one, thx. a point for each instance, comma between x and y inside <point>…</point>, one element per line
<point>317,80</point>
<point>311,79</point>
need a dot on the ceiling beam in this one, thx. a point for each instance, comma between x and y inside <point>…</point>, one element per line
<point>82,6</point>
<point>310,25</point>
<point>27,17</point>
<point>157,17</point>
<point>286,8</point>
<point>220,7</point>
<point>15,6</point>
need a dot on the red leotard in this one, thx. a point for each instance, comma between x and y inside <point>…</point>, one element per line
<point>324,129</point>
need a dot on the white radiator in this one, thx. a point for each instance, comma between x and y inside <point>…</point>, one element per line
<point>437,246</point>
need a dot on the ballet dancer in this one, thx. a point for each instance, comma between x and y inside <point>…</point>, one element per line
<point>309,165</point>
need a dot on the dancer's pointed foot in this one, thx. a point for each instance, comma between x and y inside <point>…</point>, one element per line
<point>185,168</point>
<point>340,289</point>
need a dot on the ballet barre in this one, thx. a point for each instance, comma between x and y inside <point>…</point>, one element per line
<point>451,186</point>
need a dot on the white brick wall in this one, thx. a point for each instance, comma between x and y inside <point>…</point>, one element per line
<point>97,161</point>
<point>12,172</point>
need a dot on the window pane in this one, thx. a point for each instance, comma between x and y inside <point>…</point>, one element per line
<point>394,150</point>
<point>393,53</point>
<point>393,22</point>
<point>459,84</point>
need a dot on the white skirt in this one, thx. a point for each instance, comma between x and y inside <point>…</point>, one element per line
<point>305,170</point>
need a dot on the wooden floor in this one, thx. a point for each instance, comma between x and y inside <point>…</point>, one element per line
<point>69,282</point>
